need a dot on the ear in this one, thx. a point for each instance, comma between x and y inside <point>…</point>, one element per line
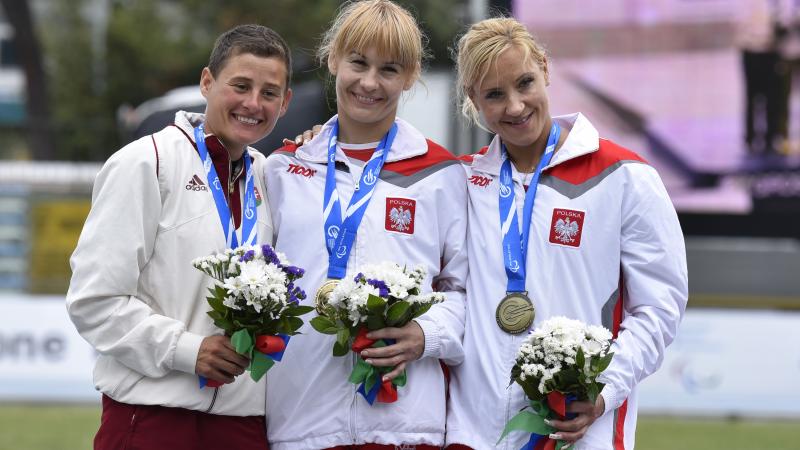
<point>332,64</point>
<point>546,72</point>
<point>471,96</point>
<point>287,97</point>
<point>415,75</point>
<point>206,79</point>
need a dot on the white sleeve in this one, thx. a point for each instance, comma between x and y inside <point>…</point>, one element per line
<point>443,324</point>
<point>655,281</point>
<point>116,243</point>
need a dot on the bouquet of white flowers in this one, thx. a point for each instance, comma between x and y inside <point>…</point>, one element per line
<point>558,362</point>
<point>255,301</point>
<point>382,295</point>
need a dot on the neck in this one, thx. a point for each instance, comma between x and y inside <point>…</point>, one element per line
<point>526,158</point>
<point>353,132</point>
<point>234,152</point>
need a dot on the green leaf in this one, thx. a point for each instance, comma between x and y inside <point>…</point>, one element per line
<point>360,372</point>
<point>294,324</point>
<point>528,422</point>
<point>259,365</point>
<point>397,312</point>
<point>343,336</point>
<point>604,362</point>
<point>422,310</point>
<point>339,349</point>
<point>298,310</point>
<point>375,322</point>
<point>370,381</point>
<point>593,391</point>
<point>216,302</point>
<point>400,380</point>
<point>580,359</point>
<point>242,342</point>
<point>376,304</point>
<point>323,325</point>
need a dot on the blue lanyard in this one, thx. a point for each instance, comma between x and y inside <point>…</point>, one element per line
<point>515,248</point>
<point>341,234</point>
<point>249,213</point>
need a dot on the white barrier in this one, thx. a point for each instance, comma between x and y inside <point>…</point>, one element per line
<point>729,363</point>
<point>42,356</point>
<point>723,362</point>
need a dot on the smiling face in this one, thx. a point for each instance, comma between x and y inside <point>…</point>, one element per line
<point>245,100</point>
<point>512,99</point>
<point>368,89</point>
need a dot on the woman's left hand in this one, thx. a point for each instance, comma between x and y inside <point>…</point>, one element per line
<point>409,346</point>
<point>574,429</point>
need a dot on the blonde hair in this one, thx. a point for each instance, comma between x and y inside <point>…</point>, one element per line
<point>478,50</point>
<point>382,23</point>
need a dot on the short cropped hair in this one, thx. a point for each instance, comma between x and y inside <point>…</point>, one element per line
<point>382,23</point>
<point>257,40</point>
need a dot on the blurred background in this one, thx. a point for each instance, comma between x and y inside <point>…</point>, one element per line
<point>706,90</point>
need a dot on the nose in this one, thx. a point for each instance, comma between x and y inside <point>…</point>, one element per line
<point>515,105</point>
<point>369,81</point>
<point>252,99</point>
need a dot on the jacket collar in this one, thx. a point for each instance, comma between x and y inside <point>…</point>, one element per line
<point>408,143</point>
<point>582,139</point>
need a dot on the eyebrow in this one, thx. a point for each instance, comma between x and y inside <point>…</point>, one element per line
<point>388,63</point>
<point>249,80</point>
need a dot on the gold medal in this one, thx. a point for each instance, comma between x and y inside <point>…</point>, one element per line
<point>515,313</point>
<point>321,299</point>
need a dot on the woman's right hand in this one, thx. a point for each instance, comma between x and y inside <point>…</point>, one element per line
<point>305,137</point>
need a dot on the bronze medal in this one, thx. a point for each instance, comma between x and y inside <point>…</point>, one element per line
<point>321,299</point>
<point>515,313</point>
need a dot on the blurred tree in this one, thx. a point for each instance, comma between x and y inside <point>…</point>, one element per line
<point>152,46</point>
<point>27,48</point>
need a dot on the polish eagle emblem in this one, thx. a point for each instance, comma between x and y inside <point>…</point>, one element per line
<point>566,230</point>
<point>400,218</point>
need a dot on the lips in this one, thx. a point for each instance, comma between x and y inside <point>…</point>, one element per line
<point>365,99</point>
<point>522,121</point>
<point>247,120</point>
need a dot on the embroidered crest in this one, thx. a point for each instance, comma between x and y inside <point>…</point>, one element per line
<point>400,214</point>
<point>566,227</point>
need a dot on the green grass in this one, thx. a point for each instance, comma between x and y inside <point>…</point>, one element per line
<point>72,428</point>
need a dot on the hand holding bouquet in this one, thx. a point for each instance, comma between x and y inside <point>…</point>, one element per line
<point>558,362</point>
<point>255,301</point>
<point>379,296</point>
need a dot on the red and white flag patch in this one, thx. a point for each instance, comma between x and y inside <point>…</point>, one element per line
<point>566,227</point>
<point>400,214</point>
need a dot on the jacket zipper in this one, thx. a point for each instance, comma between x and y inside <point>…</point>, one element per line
<point>213,399</point>
<point>353,408</point>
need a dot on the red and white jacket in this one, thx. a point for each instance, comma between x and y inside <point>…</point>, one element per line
<point>310,403</point>
<point>622,266</point>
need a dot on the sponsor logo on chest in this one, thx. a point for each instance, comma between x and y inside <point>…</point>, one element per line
<point>566,227</point>
<point>196,184</point>
<point>480,181</point>
<point>400,216</point>
<point>297,169</point>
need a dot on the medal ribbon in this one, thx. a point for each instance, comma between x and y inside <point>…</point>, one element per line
<point>515,247</point>
<point>249,214</point>
<point>341,234</point>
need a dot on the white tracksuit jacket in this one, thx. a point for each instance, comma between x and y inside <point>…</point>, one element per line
<point>623,260</point>
<point>310,403</point>
<point>134,294</point>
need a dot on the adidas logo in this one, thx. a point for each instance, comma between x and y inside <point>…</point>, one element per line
<point>196,184</point>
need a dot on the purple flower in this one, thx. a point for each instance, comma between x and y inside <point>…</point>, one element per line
<point>248,256</point>
<point>296,272</point>
<point>383,290</point>
<point>270,255</point>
